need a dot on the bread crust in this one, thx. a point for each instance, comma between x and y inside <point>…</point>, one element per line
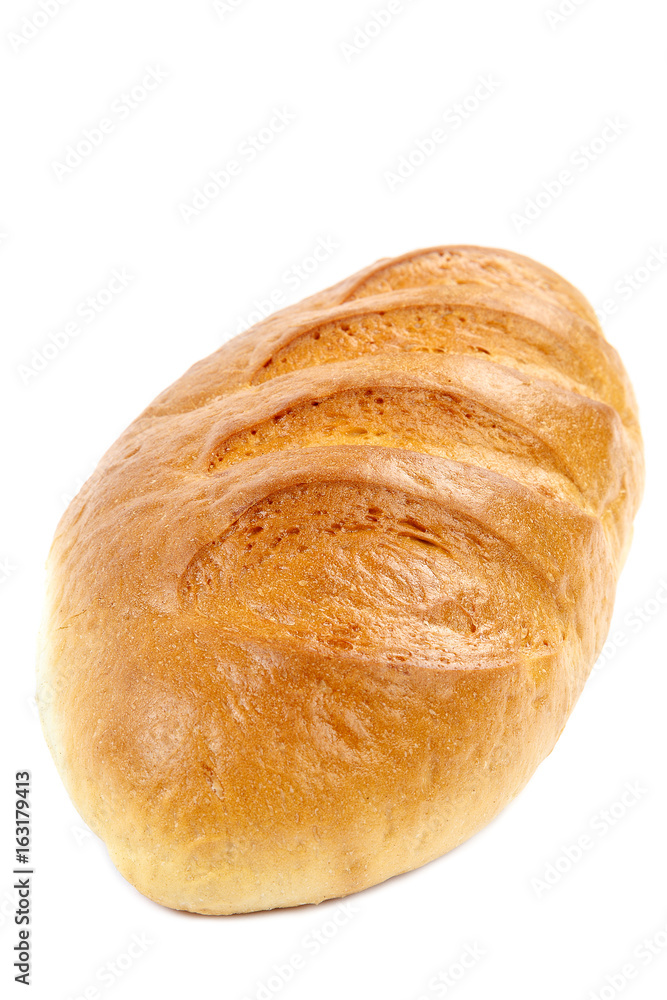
<point>327,603</point>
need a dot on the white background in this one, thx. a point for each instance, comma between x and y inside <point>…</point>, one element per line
<point>193,285</point>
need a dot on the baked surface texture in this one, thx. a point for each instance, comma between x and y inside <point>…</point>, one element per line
<point>323,608</point>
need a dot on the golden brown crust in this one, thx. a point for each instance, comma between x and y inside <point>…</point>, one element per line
<point>327,603</point>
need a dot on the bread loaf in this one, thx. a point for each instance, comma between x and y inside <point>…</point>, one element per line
<point>327,603</point>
